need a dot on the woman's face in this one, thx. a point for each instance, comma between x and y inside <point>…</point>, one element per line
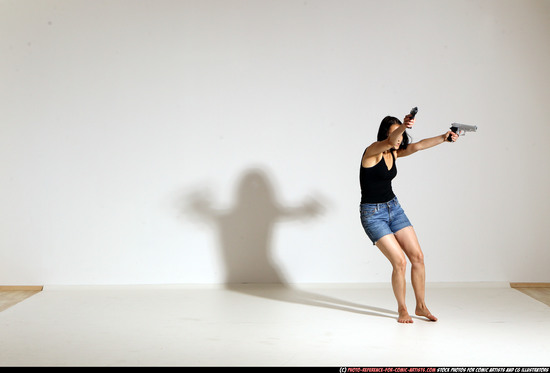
<point>393,127</point>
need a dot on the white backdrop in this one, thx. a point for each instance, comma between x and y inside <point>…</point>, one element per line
<point>150,142</point>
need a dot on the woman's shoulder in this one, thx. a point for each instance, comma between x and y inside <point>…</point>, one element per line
<point>370,160</point>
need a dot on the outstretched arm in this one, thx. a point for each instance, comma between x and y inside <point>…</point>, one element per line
<point>392,141</point>
<point>199,204</point>
<point>426,144</point>
<point>309,209</point>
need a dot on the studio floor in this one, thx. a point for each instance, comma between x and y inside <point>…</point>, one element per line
<point>273,325</point>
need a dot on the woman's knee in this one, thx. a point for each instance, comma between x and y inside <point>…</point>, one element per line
<point>417,258</point>
<point>400,265</point>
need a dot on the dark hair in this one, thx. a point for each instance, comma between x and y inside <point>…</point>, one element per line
<point>387,122</point>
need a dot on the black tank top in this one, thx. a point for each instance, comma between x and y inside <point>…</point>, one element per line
<point>376,182</point>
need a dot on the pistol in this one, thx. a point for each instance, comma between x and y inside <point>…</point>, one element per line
<point>461,129</point>
<point>413,112</point>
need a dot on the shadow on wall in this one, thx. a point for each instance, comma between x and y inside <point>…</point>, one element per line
<point>245,233</point>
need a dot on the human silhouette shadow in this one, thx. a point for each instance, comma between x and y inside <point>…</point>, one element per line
<point>245,233</point>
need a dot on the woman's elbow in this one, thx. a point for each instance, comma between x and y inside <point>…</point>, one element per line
<point>411,149</point>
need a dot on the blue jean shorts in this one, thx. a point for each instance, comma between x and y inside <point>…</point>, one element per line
<point>380,219</point>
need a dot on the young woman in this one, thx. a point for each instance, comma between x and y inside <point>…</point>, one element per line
<point>382,217</point>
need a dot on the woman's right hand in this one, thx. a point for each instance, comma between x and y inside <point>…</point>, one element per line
<point>408,121</point>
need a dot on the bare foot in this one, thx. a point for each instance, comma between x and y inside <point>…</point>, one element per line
<point>404,317</point>
<point>423,311</point>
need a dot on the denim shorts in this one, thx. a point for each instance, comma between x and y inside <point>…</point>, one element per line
<point>380,219</point>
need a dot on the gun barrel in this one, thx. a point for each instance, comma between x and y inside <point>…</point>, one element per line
<point>465,127</point>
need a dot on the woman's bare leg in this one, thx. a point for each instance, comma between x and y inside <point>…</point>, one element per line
<point>409,243</point>
<point>393,251</point>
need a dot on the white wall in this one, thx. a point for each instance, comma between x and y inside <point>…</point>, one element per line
<point>199,141</point>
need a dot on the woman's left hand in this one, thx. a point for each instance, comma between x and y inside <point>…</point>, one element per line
<point>454,136</point>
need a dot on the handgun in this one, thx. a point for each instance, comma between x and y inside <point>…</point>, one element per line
<point>461,129</point>
<point>413,112</point>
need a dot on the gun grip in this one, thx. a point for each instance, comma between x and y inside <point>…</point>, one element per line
<point>454,129</point>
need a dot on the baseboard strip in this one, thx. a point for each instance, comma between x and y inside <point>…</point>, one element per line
<point>530,284</point>
<point>21,288</point>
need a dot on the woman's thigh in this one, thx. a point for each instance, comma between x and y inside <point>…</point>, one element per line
<point>390,247</point>
<point>408,241</point>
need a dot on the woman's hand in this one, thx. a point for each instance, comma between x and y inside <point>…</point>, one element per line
<point>408,121</point>
<point>453,135</point>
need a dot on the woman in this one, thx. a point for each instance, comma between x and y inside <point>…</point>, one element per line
<point>382,217</point>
